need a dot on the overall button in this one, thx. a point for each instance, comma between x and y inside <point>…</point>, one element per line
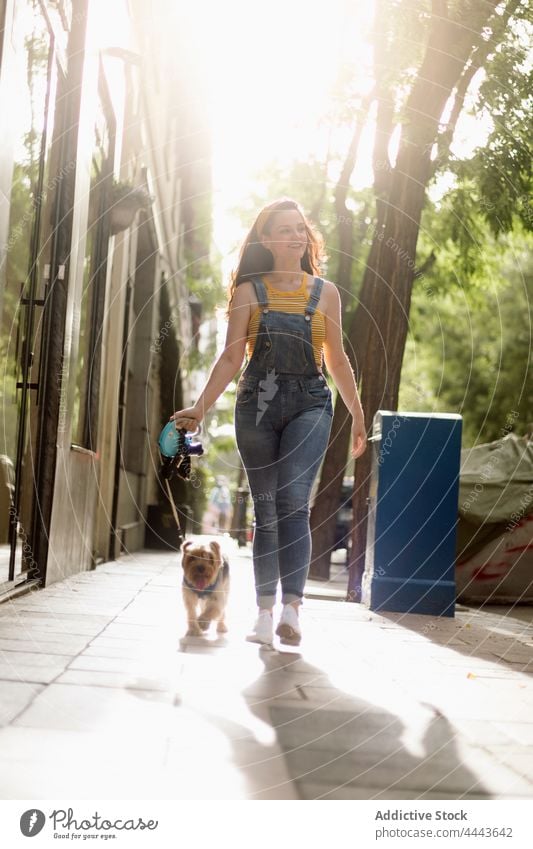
<point>308,318</point>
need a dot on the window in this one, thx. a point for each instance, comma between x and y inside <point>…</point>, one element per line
<point>85,412</point>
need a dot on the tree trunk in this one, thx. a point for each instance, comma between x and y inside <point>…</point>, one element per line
<point>323,515</point>
<point>381,320</point>
<point>326,505</point>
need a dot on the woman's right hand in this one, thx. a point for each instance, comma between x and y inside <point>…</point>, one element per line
<point>358,437</point>
<point>189,418</point>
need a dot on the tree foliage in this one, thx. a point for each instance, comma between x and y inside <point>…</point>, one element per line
<point>469,349</point>
<point>468,252</point>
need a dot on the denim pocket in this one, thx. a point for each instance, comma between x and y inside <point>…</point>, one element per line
<point>289,351</point>
<point>318,390</point>
<point>245,393</point>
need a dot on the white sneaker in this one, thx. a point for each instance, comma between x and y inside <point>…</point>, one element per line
<point>263,631</point>
<point>288,629</point>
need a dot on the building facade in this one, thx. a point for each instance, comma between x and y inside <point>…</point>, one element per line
<point>97,177</point>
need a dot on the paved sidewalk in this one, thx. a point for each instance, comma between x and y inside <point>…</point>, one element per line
<point>101,697</point>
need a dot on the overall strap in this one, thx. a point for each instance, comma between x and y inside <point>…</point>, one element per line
<point>314,298</point>
<point>260,292</point>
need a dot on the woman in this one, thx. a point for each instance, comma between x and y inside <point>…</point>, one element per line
<point>288,321</point>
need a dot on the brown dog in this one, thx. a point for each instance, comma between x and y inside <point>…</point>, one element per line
<point>205,586</point>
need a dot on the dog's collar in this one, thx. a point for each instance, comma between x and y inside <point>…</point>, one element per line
<point>206,590</point>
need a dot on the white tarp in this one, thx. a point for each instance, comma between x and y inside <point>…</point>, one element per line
<point>495,529</point>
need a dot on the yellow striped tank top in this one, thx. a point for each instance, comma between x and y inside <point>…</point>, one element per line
<point>291,302</point>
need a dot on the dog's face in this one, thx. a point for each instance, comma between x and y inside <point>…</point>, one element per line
<point>201,563</point>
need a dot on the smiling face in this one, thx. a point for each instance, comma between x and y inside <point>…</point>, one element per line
<point>286,237</point>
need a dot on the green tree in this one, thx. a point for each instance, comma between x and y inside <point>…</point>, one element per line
<point>469,349</point>
<point>455,38</point>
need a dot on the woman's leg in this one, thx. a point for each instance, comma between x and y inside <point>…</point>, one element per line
<point>259,447</point>
<point>303,443</point>
<point>263,484</point>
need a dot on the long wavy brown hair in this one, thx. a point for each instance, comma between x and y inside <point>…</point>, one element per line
<point>256,259</point>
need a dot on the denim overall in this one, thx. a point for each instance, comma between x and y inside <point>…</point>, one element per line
<point>283,414</point>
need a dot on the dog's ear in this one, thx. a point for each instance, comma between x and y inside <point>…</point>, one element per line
<point>215,546</point>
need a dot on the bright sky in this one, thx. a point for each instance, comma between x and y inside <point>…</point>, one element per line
<point>270,67</point>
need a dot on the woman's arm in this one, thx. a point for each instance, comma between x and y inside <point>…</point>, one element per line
<point>228,363</point>
<point>338,365</point>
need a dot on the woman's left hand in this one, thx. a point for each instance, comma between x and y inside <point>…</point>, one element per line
<point>358,437</point>
<point>188,418</point>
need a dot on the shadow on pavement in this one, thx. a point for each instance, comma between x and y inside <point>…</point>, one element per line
<point>334,745</point>
<point>477,633</point>
<point>340,746</point>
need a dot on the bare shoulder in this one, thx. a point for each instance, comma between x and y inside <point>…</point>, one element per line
<point>243,304</point>
<point>330,297</point>
<point>244,296</point>
<point>329,288</point>
<point>244,293</point>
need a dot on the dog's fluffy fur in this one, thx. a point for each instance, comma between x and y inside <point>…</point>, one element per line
<point>205,586</point>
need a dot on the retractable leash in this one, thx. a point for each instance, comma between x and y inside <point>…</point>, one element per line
<point>176,449</point>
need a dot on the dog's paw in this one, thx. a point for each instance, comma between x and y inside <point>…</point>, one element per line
<point>222,628</point>
<point>204,624</point>
<point>194,630</point>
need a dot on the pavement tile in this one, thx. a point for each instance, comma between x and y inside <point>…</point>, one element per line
<point>363,746</point>
<point>90,781</point>
<point>48,630</point>
<point>136,632</point>
<point>399,772</point>
<point>88,708</point>
<point>136,681</point>
<point>314,790</point>
<point>468,701</point>
<point>335,731</point>
<point>105,641</point>
<point>203,739</point>
<point>389,774</point>
<point>303,679</point>
<point>519,732</point>
<point>331,699</point>
<point>255,693</point>
<point>140,663</point>
<point>14,697</point>
<point>100,650</point>
<point>470,665</point>
<point>485,733</point>
<point>63,645</point>
<point>265,771</point>
<point>519,760</point>
<point>370,706</point>
<point>31,674</point>
<point>16,659</point>
<point>31,746</point>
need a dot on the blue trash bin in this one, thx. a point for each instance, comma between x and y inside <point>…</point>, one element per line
<point>412,519</point>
